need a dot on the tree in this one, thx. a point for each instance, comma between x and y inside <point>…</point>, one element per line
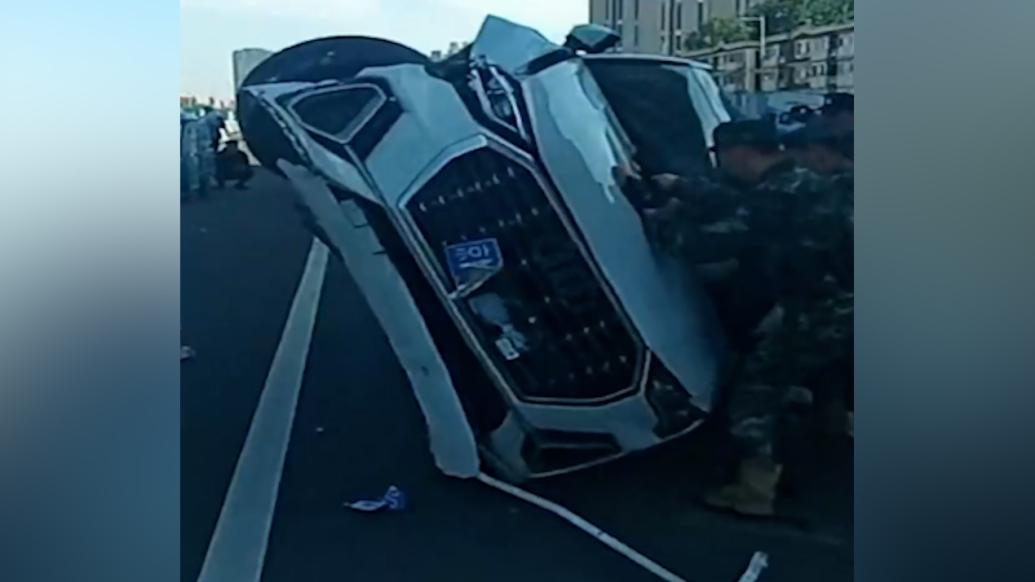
<point>780,15</point>
<point>724,31</point>
<point>694,41</point>
<point>823,12</point>
<point>786,15</point>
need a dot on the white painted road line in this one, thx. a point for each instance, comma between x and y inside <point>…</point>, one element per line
<point>238,547</point>
<point>759,562</point>
<point>572,518</point>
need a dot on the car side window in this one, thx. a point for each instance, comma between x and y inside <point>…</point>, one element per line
<point>337,113</point>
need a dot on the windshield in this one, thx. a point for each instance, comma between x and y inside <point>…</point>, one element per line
<point>653,104</point>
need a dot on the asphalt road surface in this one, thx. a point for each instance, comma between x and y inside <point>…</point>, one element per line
<point>357,430</point>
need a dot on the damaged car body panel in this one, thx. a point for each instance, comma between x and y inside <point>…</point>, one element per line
<point>474,203</point>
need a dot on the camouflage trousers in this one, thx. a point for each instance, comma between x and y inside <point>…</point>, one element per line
<point>809,348</point>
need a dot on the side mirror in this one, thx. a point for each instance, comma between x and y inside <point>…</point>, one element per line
<point>591,38</point>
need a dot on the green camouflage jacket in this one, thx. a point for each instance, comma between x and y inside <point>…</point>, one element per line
<point>794,224</point>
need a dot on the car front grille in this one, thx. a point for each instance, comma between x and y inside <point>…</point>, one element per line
<point>574,344</point>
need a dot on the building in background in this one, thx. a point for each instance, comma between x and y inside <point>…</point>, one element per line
<point>726,8</point>
<point>661,26</point>
<point>734,66</point>
<point>244,60</point>
<point>455,47</point>
<point>194,104</point>
<point>641,24</point>
<point>807,58</point>
<point>819,58</point>
<point>645,26</point>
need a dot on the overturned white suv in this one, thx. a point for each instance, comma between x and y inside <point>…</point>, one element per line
<point>474,203</point>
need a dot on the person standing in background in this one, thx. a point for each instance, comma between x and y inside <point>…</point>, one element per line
<point>194,141</point>
<point>209,134</point>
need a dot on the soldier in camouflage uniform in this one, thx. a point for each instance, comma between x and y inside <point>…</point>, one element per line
<point>826,148</point>
<point>822,147</point>
<point>833,156</point>
<point>787,226</point>
<point>703,222</point>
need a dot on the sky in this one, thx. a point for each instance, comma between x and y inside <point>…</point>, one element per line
<point>210,30</point>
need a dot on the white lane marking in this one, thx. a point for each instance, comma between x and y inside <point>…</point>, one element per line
<point>601,536</point>
<point>758,562</point>
<point>238,547</point>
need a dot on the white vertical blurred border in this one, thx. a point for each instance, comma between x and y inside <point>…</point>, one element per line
<point>89,291</point>
<point>945,272</point>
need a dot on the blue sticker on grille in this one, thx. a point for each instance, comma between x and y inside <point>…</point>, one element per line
<point>474,260</point>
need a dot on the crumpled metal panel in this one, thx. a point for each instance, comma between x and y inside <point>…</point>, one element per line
<point>508,45</point>
<point>451,439</point>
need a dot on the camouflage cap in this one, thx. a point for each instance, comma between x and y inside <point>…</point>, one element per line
<point>818,130</point>
<point>752,132</point>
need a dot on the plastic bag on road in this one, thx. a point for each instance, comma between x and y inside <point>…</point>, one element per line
<point>393,500</point>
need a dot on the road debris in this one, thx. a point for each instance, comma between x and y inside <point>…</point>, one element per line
<point>187,353</point>
<point>393,500</point>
